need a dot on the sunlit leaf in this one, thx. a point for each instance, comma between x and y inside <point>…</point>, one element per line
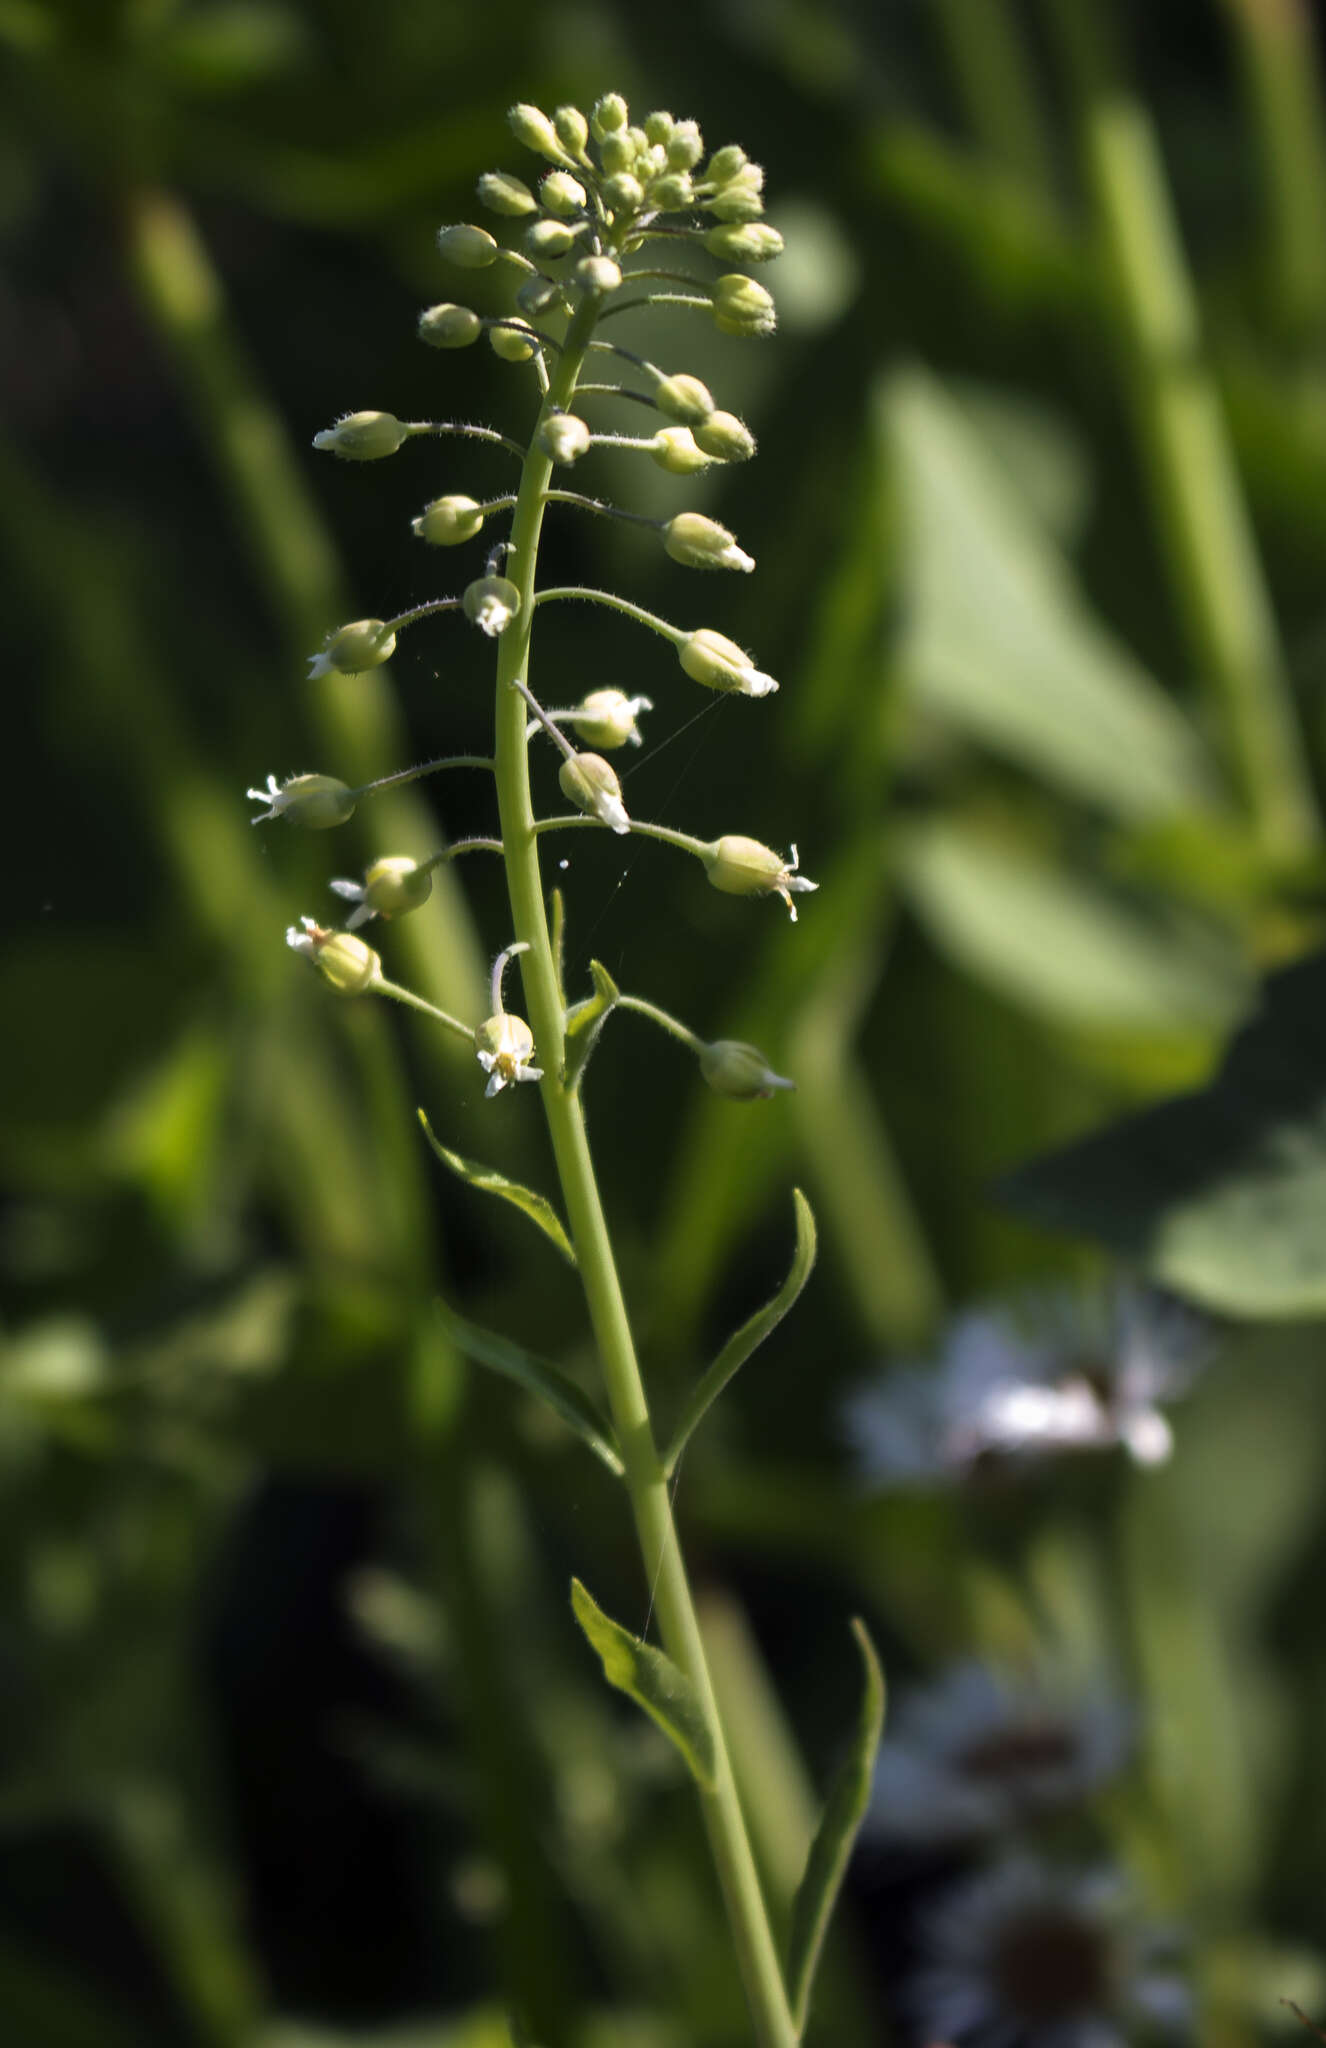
<point>652,1680</point>
<point>538,1377</point>
<point>537,1207</point>
<point>752,1333</point>
<point>831,1850</point>
<point>585,1020</point>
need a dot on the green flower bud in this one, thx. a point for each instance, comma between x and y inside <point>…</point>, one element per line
<point>363,645</point>
<point>743,307</point>
<point>501,193</point>
<point>363,436</point>
<point>533,128</point>
<point>597,275</point>
<point>639,141</point>
<point>447,326</point>
<point>672,192</point>
<point>606,718</point>
<point>572,130</point>
<point>504,1046</point>
<point>743,867</point>
<point>744,242</point>
<point>725,163</point>
<point>674,449</point>
<point>717,662</point>
<point>684,398</point>
<point>624,193</point>
<point>562,194</point>
<point>391,888</point>
<point>448,521</point>
<point>700,543</point>
<point>659,126</point>
<point>726,438</point>
<point>617,154</point>
<point>537,295</point>
<point>510,345</point>
<point>491,602</point>
<point>548,239</point>
<point>608,116</point>
<point>740,199</point>
<point>563,437</point>
<point>685,146</point>
<point>469,248</point>
<point>740,1071</point>
<point>590,783</point>
<point>317,802</point>
<point>347,963</point>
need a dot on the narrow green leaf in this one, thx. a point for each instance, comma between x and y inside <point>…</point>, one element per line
<point>584,1021</point>
<point>537,1207</point>
<point>742,1342</point>
<point>653,1681</point>
<point>536,1376</point>
<point>830,1852</point>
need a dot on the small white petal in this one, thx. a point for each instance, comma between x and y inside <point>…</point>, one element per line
<point>487,1060</point>
<point>353,890</point>
<point>496,1083</point>
<point>612,811</point>
<point>318,664</point>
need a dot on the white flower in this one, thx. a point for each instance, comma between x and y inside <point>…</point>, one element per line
<point>503,1046</point>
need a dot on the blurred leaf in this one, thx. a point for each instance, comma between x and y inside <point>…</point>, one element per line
<point>653,1681</point>
<point>1062,945</point>
<point>996,637</point>
<point>831,1850</point>
<point>537,1207</point>
<point>230,46</point>
<point>1220,1194</point>
<point>538,1377</point>
<point>749,1337</point>
<point>1043,460</point>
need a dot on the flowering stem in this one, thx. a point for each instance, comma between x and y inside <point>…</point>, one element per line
<point>424,768</point>
<point>470,433</point>
<point>616,604</point>
<point>663,1020</point>
<point>705,305</point>
<point>597,505</point>
<point>699,847</point>
<point>425,1008</point>
<point>644,1475</point>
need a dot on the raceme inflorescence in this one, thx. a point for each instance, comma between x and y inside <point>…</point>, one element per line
<point>615,223</point>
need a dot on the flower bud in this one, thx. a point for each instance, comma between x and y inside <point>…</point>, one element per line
<point>563,437</point>
<point>446,326</point>
<point>683,398</point>
<point>538,294</point>
<point>743,307</point>
<point>362,645</point>
<point>347,963</point>
<point>725,163</point>
<point>363,436</point>
<point>469,248</point>
<point>717,662</point>
<point>546,240</point>
<point>624,193</point>
<point>504,1046</point>
<point>740,1071</point>
<point>672,192</point>
<point>608,116</point>
<point>659,126</point>
<point>725,437</point>
<point>590,783</point>
<point>700,543</point>
<point>674,449</point>
<point>317,802</point>
<point>491,602</point>
<point>448,521</point>
<point>395,885</point>
<point>740,199</point>
<point>685,146</point>
<point>597,275</point>
<point>572,130</point>
<point>617,153</point>
<point>744,242</point>
<point>501,193</point>
<point>606,718</point>
<point>562,194</point>
<point>743,867</point>
<point>509,344</point>
<point>533,128</point>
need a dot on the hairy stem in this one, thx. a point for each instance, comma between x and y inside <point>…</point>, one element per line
<point>645,1479</point>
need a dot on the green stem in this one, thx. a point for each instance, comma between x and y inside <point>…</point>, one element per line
<point>699,847</point>
<point>664,1020</point>
<point>424,1007</point>
<point>995,83</point>
<point>645,1479</point>
<point>424,768</point>
<point>1282,85</point>
<point>1203,517</point>
<point>616,604</point>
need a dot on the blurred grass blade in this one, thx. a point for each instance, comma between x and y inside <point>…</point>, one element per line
<point>653,1681</point>
<point>830,1852</point>
<point>740,1345</point>
<point>537,1207</point>
<point>538,1377</point>
<point>997,639</point>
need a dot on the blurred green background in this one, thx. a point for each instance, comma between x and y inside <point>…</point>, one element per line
<point>299,1741</point>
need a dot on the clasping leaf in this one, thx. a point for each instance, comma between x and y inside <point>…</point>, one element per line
<point>653,1681</point>
<point>537,1207</point>
<point>536,1376</point>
